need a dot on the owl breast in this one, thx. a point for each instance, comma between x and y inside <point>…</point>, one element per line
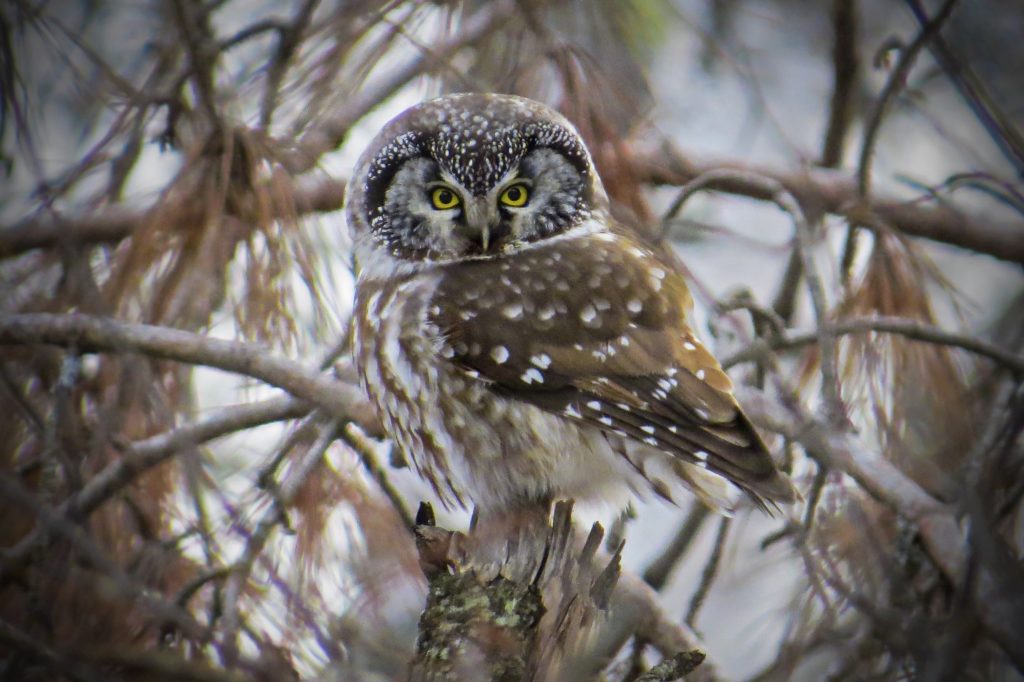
<point>468,442</point>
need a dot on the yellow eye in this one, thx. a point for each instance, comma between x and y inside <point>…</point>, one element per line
<point>443,199</point>
<point>515,196</point>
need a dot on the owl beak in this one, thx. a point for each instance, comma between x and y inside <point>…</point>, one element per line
<point>482,222</point>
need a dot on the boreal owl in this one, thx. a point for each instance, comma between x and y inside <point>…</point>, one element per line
<point>520,344</point>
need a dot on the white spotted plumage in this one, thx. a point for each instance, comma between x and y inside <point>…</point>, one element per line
<point>530,348</point>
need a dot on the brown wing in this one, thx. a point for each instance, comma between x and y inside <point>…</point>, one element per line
<point>595,329</point>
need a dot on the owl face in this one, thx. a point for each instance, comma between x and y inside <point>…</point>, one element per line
<point>472,177</point>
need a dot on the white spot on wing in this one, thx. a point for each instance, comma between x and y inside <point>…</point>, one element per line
<point>532,375</point>
<point>513,311</point>
<point>542,360</point>
<point>499,354</point>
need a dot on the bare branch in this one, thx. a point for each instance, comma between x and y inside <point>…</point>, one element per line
<point>639,608</point>
<point>939,527</point>
<point>830,191</point>
<point>88,333</point>
<point>118,222</point>
<point>16,640</point>
<point>911,329</point>
<point>778,195</point>
<point>830,390</point>
<point>709,574</point>
<point>897,79</point>
<point>845,68</point>
<point>282,499</point>
<point>1000,126</point>
<point>658,571</point>
<point>53,522</point>
<point>145,454</point>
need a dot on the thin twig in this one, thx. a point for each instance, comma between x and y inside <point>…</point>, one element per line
<point>814,497</point>
<point>637,609</point>
<point>785,200</point>
<point>938,525</point>
<point>53,522</point>
<point>1000,126</point>
<point>709,574</point>
<point>330,133</point>
<point>912,329</point>
<point>242,568</point>
<point>896,81</point>
<point>15,640</point>
<point>289,39</point>
<point>660,569</point>
<point>845,70</point>
<point>830,390</point>
<point>143,455</point>
<point>709,178</point>
<point>364,449</point>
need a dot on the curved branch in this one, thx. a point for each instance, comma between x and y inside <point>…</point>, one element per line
<point>90,334</point>
<point>835,192</point>
<point>897,79</point>
<point>890,325</point>
<point>937,523</point>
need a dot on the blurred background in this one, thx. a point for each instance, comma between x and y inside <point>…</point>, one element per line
<point>172,509</point>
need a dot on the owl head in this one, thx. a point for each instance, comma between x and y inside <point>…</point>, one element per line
<point>472,176</point>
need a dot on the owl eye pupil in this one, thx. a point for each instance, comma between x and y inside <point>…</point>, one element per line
<point>515,196</point>
<point>444,199</point>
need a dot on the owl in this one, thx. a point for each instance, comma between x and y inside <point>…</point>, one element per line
<point>520,344</point>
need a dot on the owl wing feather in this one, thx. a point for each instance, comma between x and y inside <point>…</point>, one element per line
<point>597,332</point>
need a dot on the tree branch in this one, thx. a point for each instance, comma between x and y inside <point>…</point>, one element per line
<point>90,334</point>
<point>937,524</point>
<point>117,222</point>
<point>911,329</point>
<point>829,191</point>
